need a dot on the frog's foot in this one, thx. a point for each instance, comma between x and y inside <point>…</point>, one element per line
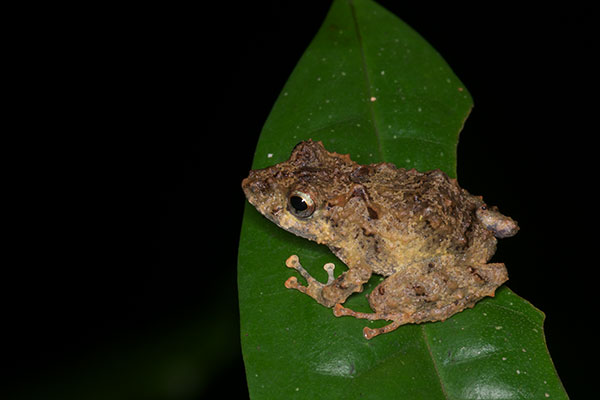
<point>314,287</point>
<point>397,320</point>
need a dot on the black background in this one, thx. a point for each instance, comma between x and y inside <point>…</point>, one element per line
<point>132,229</point>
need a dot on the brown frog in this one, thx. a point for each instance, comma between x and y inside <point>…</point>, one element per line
<point>429,237</point>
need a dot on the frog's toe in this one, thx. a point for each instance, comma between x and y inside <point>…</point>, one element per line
<point>369,333</point>
<point>292,262</point>
<point>329,267</point>
<point>292,283</point>
<point>341,311</point>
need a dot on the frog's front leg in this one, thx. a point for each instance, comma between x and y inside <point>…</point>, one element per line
<point>335,290</point>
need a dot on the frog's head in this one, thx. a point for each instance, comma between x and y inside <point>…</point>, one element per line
<point>295,194</point>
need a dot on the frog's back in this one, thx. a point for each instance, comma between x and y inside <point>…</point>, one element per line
<point>425,216</point>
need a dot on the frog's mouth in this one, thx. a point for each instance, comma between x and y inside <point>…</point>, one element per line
<point>290,223</point>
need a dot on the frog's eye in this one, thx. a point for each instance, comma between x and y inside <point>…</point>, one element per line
<point>301,204</point>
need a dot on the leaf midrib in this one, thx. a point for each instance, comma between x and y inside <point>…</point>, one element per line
<point>433,361</point>
<point>370,105</point>
<point>363,58</point>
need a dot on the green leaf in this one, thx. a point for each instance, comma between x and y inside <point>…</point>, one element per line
<point>368,85</point>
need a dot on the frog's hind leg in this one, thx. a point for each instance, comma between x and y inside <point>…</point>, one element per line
<point>397,320</point>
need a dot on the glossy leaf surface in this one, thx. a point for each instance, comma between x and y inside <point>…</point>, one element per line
<point>368,85</point>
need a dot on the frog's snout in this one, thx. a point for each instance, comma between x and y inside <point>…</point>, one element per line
<point>500,224</point>
<point>255,185</point>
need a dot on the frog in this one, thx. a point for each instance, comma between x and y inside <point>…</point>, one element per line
<point>429,239</point>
